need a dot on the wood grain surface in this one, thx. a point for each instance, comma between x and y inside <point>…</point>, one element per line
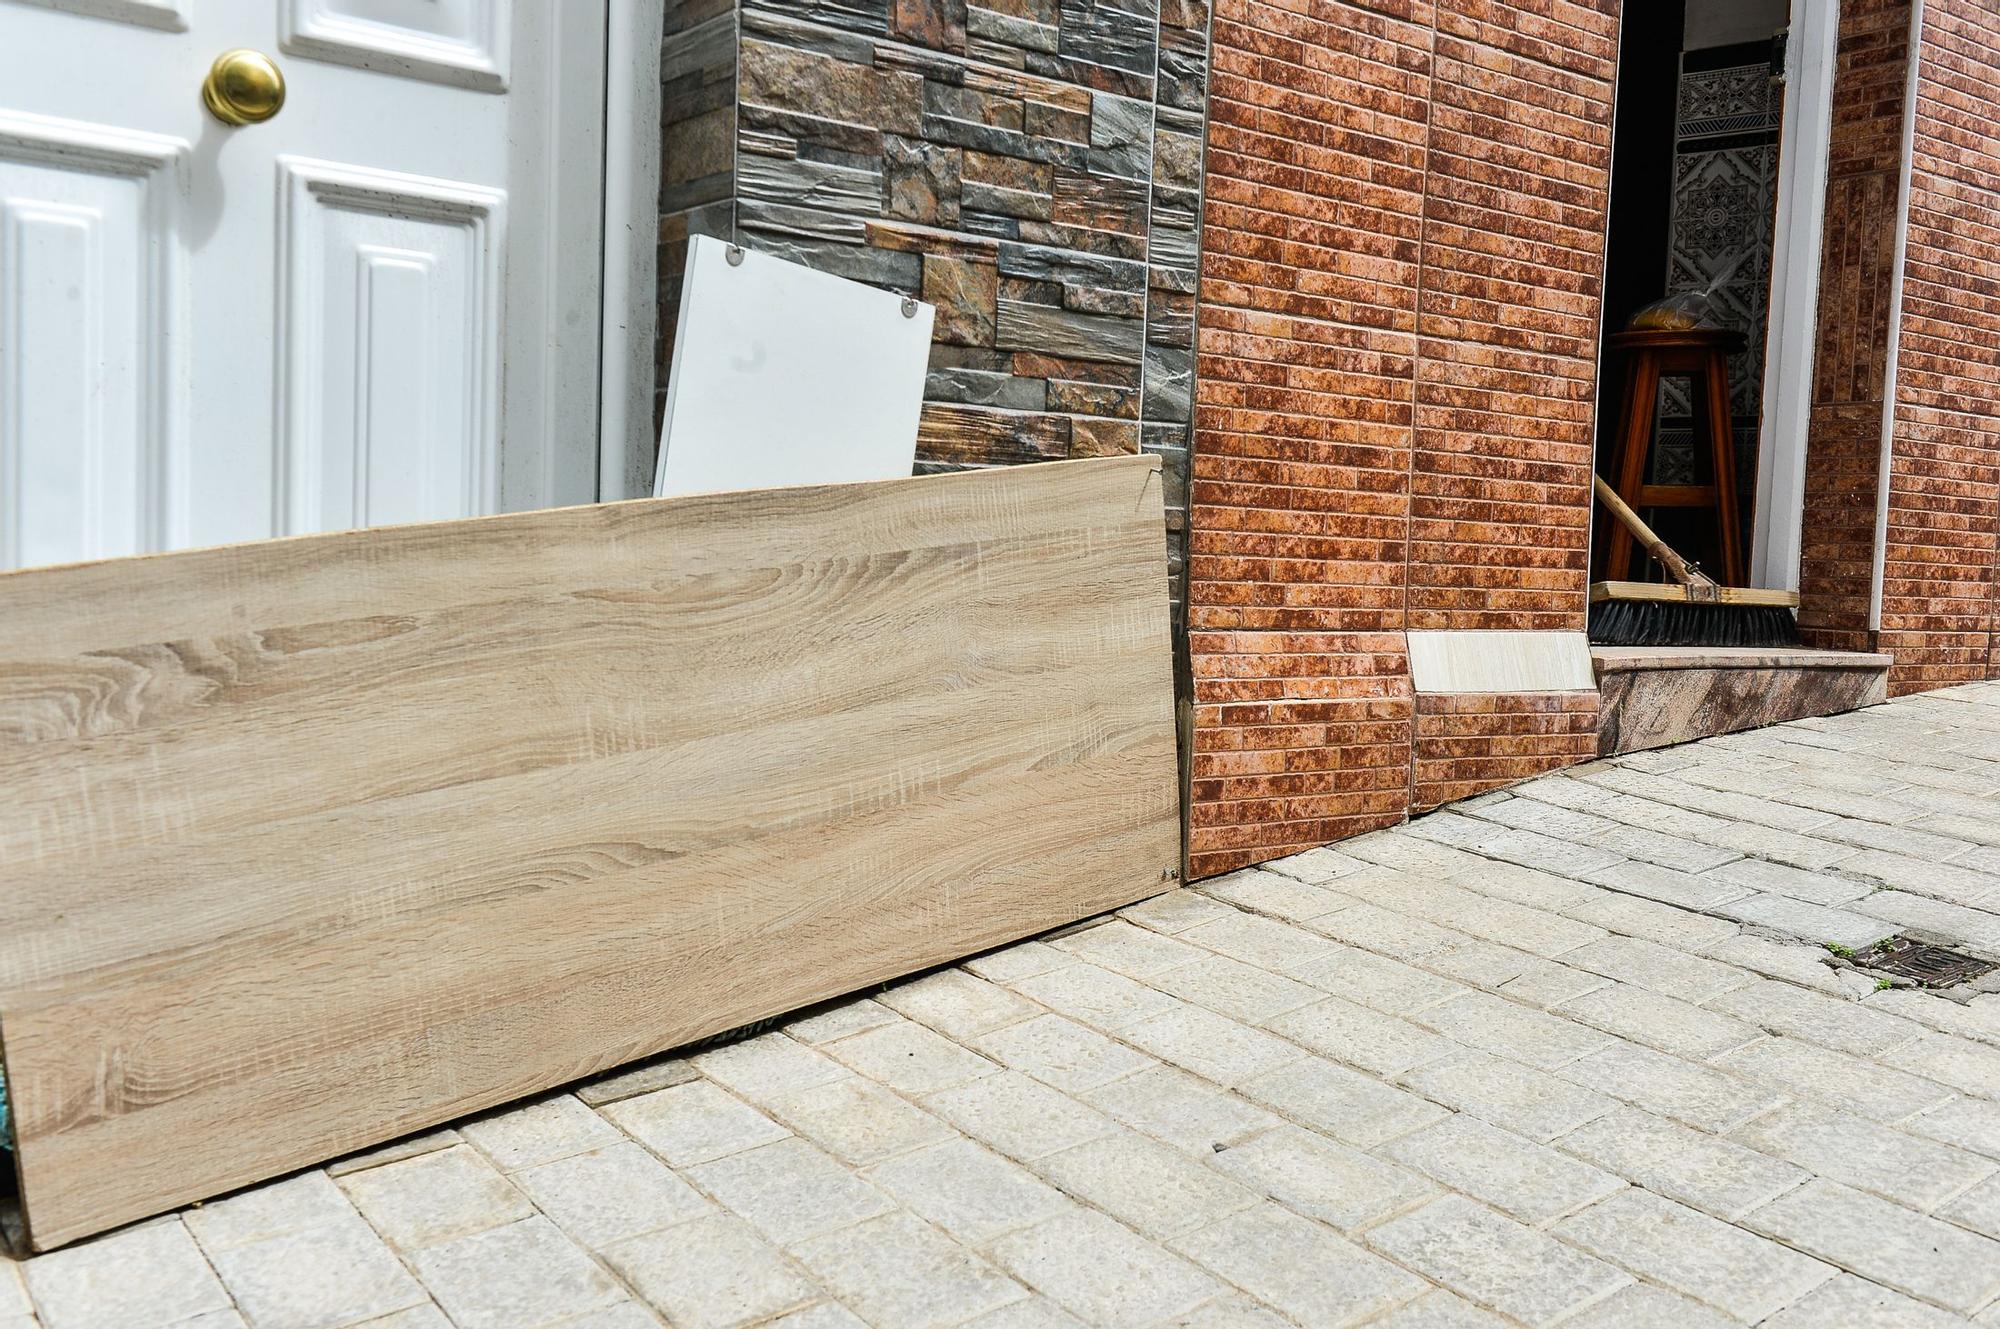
<point>313,843</point>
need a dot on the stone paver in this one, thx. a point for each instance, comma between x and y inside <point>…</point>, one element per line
<point>1339,1102</point>
<point>1507,1094</point>
<point>1972,1124</point>
<point>1525,1180</point>
<point>422,1201</point>
<point>1185,1111</point>
<point>1299,1268</point>
<point>789,1191</point>
<point>1894,1164</point>
<point>610,1194</point>
<point>693,1123</point>
<point>524,1273</point>
<point>1060,1053</point>
<point>1665,1023</point>
<point>1494,1260</point>
<point>301,1278</point>
<point>539,1132</point>
<point>1684,1091</point>
<point>1157,1191</point>
<point>153,1274</point>
<point>1102,1272</point>
<point>1022,1118</point>
<point>1924,1257</point>
<point>1796,1067</point>
<point>1643,1306</point>
<point>712,1273</point>
<point>859,1121</point>
<point>1570,1053</point>
<point>968,1191</point>
<point>1740,1274</point>
<point>1854,1303</point>
<point>1321,1179</point>
<point>1713,1175</point>
<point>311,1199</point>
<point>1978,1209</point>
<point>899,1273</point>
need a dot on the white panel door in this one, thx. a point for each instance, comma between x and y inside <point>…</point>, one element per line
<point>364,309</point>
<point>89,308</point>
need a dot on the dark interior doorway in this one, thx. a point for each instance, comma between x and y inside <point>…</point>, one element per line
<point>1694,187</point>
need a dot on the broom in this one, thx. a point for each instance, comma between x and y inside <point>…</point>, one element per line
<point>1689,611</point>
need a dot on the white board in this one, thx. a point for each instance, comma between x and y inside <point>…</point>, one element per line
<point>787,376</point>
<point>1500,661</point>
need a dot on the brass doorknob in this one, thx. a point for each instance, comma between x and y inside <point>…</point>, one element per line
<point>243,88</point>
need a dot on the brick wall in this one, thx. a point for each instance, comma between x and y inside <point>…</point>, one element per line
<point>1856,298</point>
<point>1469,742</point>
<point>1402,259</point>
<point>1512,275</point>
<point>1942,533</point>
<point>1943,528</point>
<point>1512,279</point>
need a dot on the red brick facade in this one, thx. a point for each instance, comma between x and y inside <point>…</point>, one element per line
<point>1470,742</point>
<point>1856,298</point>
<point>1938,582</point>
<point>1937,348</point>
<point>1395,378</point>
<point>1403,255</point>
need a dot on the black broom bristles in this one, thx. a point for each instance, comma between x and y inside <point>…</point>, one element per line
<point>1670,623</point>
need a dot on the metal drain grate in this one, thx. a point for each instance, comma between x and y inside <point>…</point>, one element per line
<point>1932,966</point>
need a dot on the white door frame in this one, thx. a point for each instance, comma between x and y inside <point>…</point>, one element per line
<point>1892,353</point>
<point>605,61</point>
<point>1792,325</point>
<point>557,294</point>
<point>631,226</point>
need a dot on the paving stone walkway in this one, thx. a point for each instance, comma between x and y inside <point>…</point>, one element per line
<point>1573,1054</point>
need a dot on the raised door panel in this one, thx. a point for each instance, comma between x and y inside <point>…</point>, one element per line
<point>167,15</point>
<point>90,410</point>
<point>389,346</point>
<point>461,42</point>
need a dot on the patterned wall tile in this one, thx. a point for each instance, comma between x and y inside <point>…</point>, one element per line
<point>1720,240</point>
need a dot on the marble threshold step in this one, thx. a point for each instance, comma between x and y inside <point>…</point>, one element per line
<point>1654,696</point>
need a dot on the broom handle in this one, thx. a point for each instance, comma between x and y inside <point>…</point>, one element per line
<point>1676,566</point>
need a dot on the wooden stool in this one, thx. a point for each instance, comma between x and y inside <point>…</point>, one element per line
<point>1701,355</point>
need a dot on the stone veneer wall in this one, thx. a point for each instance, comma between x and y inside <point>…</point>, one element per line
<point>697,155</point>
<point>1031,167</point>
<point>1401,275</point>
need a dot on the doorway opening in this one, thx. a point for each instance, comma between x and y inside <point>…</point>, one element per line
<point>1717,195</point>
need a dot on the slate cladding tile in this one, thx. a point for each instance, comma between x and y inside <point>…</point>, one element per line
<point>1030,167</point>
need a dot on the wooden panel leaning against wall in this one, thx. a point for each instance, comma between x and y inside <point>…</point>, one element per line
<point>314,843</point>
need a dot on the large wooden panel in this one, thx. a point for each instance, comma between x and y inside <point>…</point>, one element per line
<point>313,843</point>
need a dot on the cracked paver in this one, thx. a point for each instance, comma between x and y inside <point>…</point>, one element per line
<point>1574,1052</point>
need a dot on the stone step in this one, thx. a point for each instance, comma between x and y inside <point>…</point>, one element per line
<point>1654,696</point>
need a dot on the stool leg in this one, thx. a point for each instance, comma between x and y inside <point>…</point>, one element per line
<point>1603,525</point>
<point>1722,448</point>
<point>1635,441</point>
